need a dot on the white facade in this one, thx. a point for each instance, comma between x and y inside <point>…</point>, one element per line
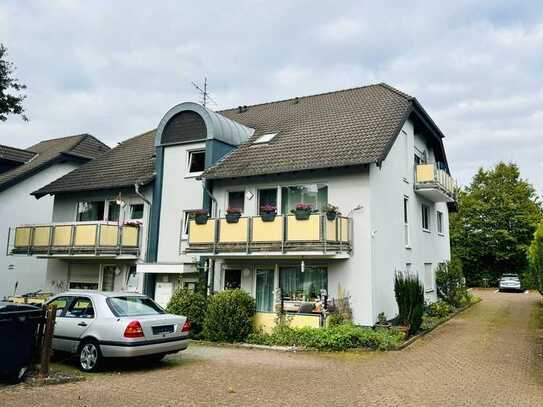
<point>18,207</point>
<point>372,195</point>
<point>117,272</point>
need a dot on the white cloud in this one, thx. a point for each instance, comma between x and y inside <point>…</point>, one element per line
<point>114,68</point>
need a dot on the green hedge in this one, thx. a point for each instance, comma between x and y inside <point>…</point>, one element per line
<point>229,316</point>
<point>191,304</point>
<point>335,338</point>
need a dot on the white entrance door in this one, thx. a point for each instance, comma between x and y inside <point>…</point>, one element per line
<point>163,293</point>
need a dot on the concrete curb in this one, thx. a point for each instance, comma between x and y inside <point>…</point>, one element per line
<point>447,319</point>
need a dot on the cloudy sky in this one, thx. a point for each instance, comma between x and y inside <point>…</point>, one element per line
<point>113,68</point>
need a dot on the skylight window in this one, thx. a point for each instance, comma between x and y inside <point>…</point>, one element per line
<point>265,138</point>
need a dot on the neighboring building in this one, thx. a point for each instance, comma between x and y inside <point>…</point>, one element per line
<point>22,171</point>
<point>98,228</point>
<point>372,151</point>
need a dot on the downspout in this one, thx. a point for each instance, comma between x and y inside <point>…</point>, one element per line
<point>148,202</point>
<point>211,266</point>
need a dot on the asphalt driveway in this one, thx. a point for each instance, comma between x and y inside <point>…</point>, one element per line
<point>491,355</point>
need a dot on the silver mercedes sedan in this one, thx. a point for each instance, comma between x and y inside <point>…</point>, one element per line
<point>98,325</point>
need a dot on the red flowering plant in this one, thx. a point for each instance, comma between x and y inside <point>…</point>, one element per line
<point>268,208</point>
<point>304,207</point>
<point>198,212</point>
<point>233,211</point>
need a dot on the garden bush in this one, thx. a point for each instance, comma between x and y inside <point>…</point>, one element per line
<point>192,304</point>
<point>440,309</point>
<point>229,316</point>
<point>535,257</point>
<point>335,338</point>
<point>409,294</point>
<point>450,282</point>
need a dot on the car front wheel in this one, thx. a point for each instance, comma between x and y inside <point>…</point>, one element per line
<point>90,356</point>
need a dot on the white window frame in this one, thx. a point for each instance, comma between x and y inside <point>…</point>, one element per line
<point>189,162</point>
<point>431,287</point>
<point>427,229</point>
<point>185,223</point>
<point>406,231</point>
<point>227,199</point>
<point>439,223</point>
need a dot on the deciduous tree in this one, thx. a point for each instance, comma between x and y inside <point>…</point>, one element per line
<point>498,214</point>
<point>11,96</point>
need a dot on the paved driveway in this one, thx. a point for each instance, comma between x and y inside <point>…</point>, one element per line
<point>491,355</point>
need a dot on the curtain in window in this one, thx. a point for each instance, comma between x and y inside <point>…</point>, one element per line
<point>305,286</point>
<point>313,194</point>
<point>90,211</point>
<point>114,211</point>
<point>264,290</point>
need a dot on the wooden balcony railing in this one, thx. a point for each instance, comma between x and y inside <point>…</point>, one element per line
<point>436,183</point>
<point>283,235</point>
<point>75,238</point>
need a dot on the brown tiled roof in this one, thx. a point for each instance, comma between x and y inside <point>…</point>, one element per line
<point>131,162</point>
<point>343,128</point>
<point>48,152</point>
<point>15,154</point>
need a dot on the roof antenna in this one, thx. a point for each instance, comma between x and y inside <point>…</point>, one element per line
<point>206,97</point>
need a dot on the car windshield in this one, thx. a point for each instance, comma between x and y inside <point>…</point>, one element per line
<point>131,306</point>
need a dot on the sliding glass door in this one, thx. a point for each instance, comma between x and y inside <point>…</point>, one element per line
<point>264,289</point>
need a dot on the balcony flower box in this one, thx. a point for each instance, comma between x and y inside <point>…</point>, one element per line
<point>233,215</point>
<point>268,213</point>
<point>331,212</point>
<point>200,216</point>
<point>302,211</point>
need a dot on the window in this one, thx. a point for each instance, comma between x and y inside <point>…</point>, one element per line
<point>264,290</point>
<point>406,221</point>
<point>197,161</point>
<point>265,138</point>
<point>236,199</point>
<point>113,211</point>
<point>136,211</point>
<point>408,268</point>
<point>439,222</point>
<point>186,218</point>
<point>314,194</point>
<point>267,197</point>
<point>61,303</point>
<point>81,307</point>
<point>83,285</point>
<point>232,278</point>
<point>108,278</point>
<point>428,277</point>
<point>133,306</point>
<point>90,211</point>
<point>425,218</point>
<point>303,286</point>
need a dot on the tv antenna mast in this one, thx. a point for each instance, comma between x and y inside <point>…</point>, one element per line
<point>206,97</point>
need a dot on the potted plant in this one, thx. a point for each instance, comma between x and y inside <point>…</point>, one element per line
<point>268,213</point>
<point>302,211</point>
<point>200,216</point>
<point>233,215</point>
<point>382,322</point>
<point>331,211</point>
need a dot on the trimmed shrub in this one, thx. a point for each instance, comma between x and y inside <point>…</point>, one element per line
<point>440,309</point>
<point>191,304</point>
<point>409,294</point>
<point>535,256</point>
<point>450,282</point>
<point>229,316</point>
<point>336,338</point>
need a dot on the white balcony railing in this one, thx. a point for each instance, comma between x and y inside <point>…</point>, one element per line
<point>91,238</point>
<point>435,183</point>
<point>283,235</point>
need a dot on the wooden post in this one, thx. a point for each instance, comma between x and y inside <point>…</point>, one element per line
<point>47,341</point>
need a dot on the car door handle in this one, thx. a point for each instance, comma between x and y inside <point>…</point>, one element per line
<point>82,324</point>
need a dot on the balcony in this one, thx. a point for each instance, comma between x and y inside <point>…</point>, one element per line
<point>75,239</point>
<point>434,183</point>
<point>283,237</point>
